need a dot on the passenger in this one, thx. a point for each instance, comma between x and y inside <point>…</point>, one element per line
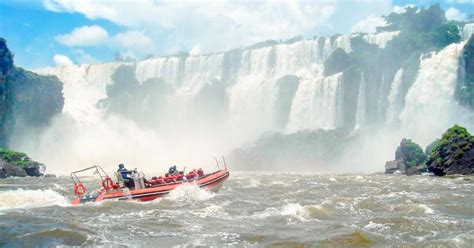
<point>180,176</point>
<point>169,178</point>
<point>172,170</point>
<point>127,180</point>
<point>200,172</point>
<point>192,174</point>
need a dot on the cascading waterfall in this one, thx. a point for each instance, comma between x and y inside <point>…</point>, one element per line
<point>395,98</point>
<point>360,113</point>
<point>248,80</point>
<point>380,39</point>
<point>316,103</point>
<point>467,31</point>
<point>430,104</point>
<point>250,89</point>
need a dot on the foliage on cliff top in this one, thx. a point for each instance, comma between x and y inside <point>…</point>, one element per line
<point>411,153</point>
<point>15,158</point>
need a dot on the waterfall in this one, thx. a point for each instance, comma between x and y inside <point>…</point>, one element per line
<point>467,31</point>
<point>360,113</point>
<point>430,104</point>
<point>84,86</point>
<point>380,39</point>
<point>316,103</point>
<point>395,98</point>
<point>245,83</point>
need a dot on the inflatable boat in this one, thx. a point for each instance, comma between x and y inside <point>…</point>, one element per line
<point>142,190</point>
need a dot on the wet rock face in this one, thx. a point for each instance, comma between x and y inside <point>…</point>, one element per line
<point>9,170</point>
<point>454,153</point>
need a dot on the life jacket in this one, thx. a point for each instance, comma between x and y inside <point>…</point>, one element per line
<point>192,174</point>
<point>179,177</point>
<point>160,180</point>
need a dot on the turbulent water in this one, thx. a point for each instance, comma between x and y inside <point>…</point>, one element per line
<point>282,210</point>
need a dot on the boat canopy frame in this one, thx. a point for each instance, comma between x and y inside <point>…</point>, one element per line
<point>98,170</point>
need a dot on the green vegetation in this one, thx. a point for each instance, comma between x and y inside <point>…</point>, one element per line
<point>19,159</point>
<point>410,153</point>
<point>454,142</point>
<point>453,154</point>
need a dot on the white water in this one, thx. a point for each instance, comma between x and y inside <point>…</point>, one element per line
<point>21,198</point>
<point>467,31</point>
<point>360,113</point>
<point>395,98</point>
<point>316,103</point>
<point>181,134</point>
<point>430,104</point>
<point>380,39</point>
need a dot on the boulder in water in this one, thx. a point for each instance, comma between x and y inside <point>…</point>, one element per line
<point>409,159</point>
<point>454,153</point>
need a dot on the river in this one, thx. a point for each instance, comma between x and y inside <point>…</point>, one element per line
<point>252,209</point>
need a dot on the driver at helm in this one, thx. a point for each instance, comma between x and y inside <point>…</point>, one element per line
<point>124,173</point>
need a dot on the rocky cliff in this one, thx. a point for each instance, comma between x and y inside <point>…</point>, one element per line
<point>27,100</point>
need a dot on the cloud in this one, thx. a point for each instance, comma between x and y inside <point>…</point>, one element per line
<point>135,41</point>
<point>455,15</point>
<point>222,25</point>
<point>84,58</point>
<point>62,60</point>
<point>369,24</point>
<point>84,36</point>
<point>402,9</point>
<point>460,1</point>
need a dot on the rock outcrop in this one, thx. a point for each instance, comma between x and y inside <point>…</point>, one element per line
<point>18,164</point>
<point>409,159</point>
<point>453,154</point>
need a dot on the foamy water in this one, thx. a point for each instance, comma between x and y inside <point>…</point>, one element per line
<point>250,210</point>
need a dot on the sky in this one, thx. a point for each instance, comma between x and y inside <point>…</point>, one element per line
<point>45,33</point>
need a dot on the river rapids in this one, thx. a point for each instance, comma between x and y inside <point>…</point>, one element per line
<point>275,210</point>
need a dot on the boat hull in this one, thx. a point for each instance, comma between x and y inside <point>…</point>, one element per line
<point>212,182</point>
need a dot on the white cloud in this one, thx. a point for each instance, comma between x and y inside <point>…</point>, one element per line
<point>62,60</point>
<point>402,9</point>
<point>135,41</point>
<point>455,15</point>
<point>221,25</point>
<point>84,36</point>
<point>460,1</point>
<point>369,24</point>
<point>84,58</point>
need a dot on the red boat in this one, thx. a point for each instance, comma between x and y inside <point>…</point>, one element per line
<point>143,190</point>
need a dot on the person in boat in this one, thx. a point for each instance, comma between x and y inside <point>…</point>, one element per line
<point>124,173</point>
<point>173,170</point>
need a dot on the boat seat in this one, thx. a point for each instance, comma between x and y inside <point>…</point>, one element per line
<point>120,181</point>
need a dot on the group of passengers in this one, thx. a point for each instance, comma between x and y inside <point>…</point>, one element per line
<point>172,176</point>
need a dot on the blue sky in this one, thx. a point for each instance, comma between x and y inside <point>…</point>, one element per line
<point>57,32</point>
